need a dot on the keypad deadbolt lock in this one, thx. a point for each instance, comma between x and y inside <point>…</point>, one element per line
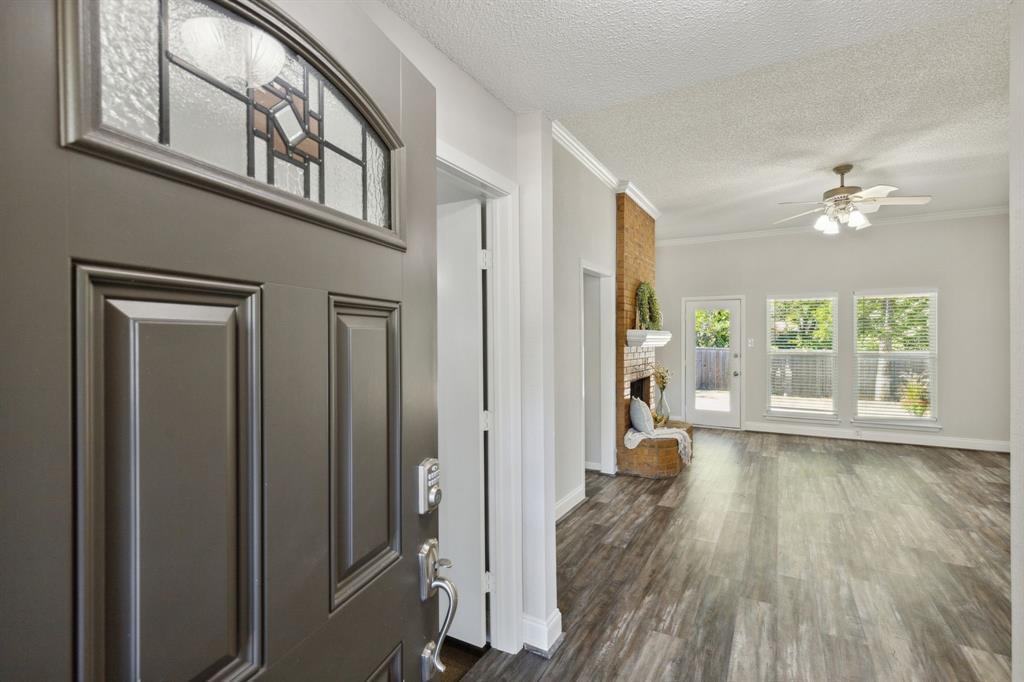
<point>428,475</point>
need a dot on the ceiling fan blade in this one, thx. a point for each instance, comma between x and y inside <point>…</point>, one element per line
<point>813,210</point>
<point>894,201</point>
<point>799,203</point>
<point>876,191</point>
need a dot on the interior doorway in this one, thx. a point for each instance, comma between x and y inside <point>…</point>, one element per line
<point>463,397</point>
<point>713,361</point>
<point>591,371</point>
<point>481,522</point>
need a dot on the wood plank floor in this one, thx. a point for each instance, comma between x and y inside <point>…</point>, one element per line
<point>785,558</point>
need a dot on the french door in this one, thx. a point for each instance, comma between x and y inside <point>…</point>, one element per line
<point>713,348</point>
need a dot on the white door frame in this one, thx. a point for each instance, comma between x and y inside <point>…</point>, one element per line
<point>607,304</point>
<point>687,408</point>
<point>505,529</point>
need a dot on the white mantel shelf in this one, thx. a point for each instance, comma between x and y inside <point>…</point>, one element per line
<point>647,338</point>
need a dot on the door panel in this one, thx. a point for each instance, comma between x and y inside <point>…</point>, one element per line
<point>713,362</point>
<point>168,463</point>
<point>365,466</point>
<point>460,389</point>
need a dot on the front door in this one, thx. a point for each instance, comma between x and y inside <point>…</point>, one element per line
<point>713,348</point>
<point>213,407</point>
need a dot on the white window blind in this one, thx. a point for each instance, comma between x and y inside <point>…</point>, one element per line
<point>897,356</point>
<point>801,356</point>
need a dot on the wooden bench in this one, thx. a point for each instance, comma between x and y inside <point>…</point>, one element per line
<point>654,457</point>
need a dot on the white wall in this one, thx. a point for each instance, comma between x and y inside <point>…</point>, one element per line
<point>584,229</point>
<point>469,118</point>
<point>965,259</point>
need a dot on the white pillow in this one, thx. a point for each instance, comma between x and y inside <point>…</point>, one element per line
<point>640,415</point>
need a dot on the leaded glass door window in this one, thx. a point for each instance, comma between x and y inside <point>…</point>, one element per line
<point>219,84</point>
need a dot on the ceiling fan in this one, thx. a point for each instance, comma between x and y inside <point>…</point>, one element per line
<point>847,204</point>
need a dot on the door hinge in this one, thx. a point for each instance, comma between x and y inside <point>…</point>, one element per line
<point>485,420</point>
<point>485,259</point>
<point>488,582</point>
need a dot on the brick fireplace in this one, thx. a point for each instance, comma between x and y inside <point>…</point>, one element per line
<point>634,248</point>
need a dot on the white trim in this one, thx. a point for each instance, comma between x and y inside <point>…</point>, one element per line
<point>742,298</point>
<point>563,137</point>
<point>634,193</point>
<point>911,424</point>
<point>880,436</point>
<point>463,166</point>
<point>607,464</point>
<point>505,529</point>
<point>573,499</point>
<point>936,216</point>
<point>543,637</point>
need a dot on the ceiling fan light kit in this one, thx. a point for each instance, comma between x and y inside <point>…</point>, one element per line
<point>847,204</point>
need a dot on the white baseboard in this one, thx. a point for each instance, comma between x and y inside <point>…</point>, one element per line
<point>880,436</point>
<point>543,636</point>
<point>569,502</point>
<point>592,466</point>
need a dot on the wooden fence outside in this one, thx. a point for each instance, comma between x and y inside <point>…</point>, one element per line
<point>712,369</point>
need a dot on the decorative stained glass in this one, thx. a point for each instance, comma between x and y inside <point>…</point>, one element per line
<point>130,74</point>
<point>289,177</point>
<point>343,183</point>
<point>218,89</point>
<point>377,191</point>
<point>259,155</point>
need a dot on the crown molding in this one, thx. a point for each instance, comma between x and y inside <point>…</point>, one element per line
<point>633,192</point>
<point>583,155</point>
<point>805,229</point>
<point>563,137</point>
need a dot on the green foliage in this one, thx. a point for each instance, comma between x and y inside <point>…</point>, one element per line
<point>915,398</point>
<point>712,328</point>
<point>801,325</point>
<point>648,312</point>
<point>893,324</point>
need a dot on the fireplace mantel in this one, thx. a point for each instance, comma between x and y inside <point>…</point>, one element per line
<point>647,338</point>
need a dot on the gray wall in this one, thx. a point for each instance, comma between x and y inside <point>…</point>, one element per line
<point>966,259</point>
<point>584,228</point>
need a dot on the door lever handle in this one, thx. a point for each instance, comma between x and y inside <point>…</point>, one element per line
<point>430,659</point>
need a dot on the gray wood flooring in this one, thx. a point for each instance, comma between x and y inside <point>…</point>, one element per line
<point>785,558</point>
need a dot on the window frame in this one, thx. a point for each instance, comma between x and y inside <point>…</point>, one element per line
<point>82,128</point>
<point>797,415</point>
<point>930,423</point>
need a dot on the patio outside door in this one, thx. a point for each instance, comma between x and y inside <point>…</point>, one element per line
<point>713,361</point>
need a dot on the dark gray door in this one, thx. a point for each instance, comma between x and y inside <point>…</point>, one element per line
<point>211,412</point>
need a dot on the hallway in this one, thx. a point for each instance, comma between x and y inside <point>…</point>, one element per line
<point>785,558</point>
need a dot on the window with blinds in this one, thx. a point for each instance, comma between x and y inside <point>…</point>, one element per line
<point>897,356</point>
<point>801,356</point>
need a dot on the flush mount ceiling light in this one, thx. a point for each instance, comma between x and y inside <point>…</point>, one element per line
<point>846,205</point>
<point>242,56</point>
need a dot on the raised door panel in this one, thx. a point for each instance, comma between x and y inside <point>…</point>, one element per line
<point>365,466</point>
<point>168,477</point>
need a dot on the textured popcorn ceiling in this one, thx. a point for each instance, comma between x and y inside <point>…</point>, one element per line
<point>717,110</point>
